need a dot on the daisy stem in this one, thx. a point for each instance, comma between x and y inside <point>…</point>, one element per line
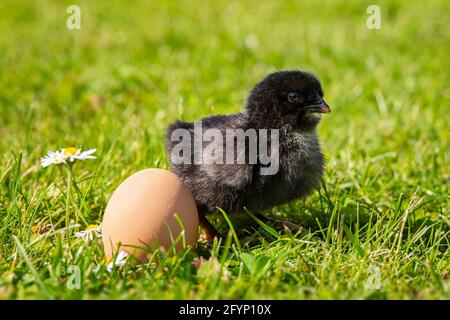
<point>69,183</point>
<point>78,209</point>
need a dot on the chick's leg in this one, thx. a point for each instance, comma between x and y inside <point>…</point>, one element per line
<point>209,230</point>
<point>279,223</point>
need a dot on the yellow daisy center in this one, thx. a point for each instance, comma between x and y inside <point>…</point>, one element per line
<point>91,227</point>
<point>71,151</point>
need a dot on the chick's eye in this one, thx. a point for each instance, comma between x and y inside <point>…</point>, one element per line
<point>293,97</point>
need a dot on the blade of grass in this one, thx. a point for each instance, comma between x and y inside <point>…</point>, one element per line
<point>233,231</point>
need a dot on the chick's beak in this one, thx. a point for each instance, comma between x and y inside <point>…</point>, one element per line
<point>321,107</point>
<point>324,108</point>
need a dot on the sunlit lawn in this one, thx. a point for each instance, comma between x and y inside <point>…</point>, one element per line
<point>379,226</point>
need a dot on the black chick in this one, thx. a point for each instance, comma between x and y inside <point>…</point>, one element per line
<point>290,101</point>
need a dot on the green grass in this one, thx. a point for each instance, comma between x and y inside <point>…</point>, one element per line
<point>379,226</point>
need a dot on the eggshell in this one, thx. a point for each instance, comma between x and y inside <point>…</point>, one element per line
<point>142,210</point>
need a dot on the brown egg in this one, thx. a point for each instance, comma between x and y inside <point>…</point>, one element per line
<point>142,210</point>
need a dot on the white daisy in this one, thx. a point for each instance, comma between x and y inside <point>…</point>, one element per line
<point>120,260</point>
<point>76,154</point>
<point>53,158</point>
<point>91,231</point>
<point>65,154</point>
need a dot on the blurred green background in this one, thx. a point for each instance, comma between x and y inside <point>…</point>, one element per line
<point>135,66</point>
